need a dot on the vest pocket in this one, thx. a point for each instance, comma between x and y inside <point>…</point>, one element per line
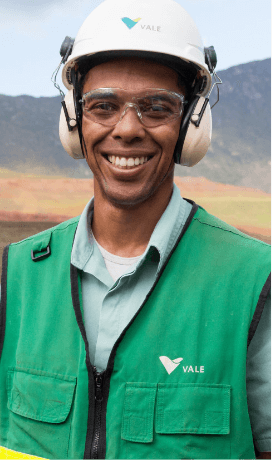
<point>39,404</point>
<point>193,409</point>
<point>138,415</point>
<point>176,420</point>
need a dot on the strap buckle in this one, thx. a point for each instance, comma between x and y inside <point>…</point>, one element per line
<point>42,256</point>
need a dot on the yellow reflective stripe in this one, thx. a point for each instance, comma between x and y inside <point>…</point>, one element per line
<point>8,453</point>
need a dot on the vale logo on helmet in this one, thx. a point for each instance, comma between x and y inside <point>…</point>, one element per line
<point>130,23</point>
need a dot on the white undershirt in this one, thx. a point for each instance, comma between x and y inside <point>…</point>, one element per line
<point>116,265</point>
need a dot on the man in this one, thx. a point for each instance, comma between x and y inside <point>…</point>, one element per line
<point>139,350</point>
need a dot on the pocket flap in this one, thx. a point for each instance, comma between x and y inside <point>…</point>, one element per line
<point>138,416</point>
<point>193,408</point>
<point>40,395</point>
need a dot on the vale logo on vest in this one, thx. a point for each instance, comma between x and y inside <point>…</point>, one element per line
<point>171,364</point>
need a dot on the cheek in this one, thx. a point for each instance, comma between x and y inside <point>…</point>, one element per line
<point>168,139</point>
<point>92,134</point>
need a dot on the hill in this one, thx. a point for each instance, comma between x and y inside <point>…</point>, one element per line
<point>240,150</point>
<point>239,153</point>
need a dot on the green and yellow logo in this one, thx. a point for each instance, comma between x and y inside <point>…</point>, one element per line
<point>131,22</point>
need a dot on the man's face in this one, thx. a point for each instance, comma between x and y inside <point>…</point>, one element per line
<point>131,185</point>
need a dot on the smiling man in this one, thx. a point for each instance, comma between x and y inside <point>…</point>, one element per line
<point>140,329</point>
<point>131,156</point>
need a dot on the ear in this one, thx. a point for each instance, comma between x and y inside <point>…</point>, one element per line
<point>70,139</point>
<point>197,139</point>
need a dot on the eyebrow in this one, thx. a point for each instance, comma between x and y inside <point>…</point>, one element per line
<point>159,97</point>
<point>101,95</point>
<point>98,95</point>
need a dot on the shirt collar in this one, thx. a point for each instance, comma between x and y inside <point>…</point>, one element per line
<point>83,246</point>
<point>168,227</point>
<point>162,239</point>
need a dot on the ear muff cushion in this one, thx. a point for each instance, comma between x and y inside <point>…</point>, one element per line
<point>193,142</point>
<point>197,139</point>
<point>70,139</point>
<point>184,127</point>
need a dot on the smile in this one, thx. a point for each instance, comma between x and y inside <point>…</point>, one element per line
<point>122,162</point>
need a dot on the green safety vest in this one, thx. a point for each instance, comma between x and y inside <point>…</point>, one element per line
<point>175,384</point>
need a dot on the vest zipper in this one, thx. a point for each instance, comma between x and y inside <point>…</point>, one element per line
<point>98,444</point>
<point>98,380</point>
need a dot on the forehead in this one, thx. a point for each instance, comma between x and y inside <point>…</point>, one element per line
<point>127,73</point>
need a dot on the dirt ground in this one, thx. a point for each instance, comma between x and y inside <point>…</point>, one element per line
<point>10,232</point>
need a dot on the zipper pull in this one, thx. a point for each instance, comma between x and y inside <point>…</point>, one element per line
<point>98,385</point>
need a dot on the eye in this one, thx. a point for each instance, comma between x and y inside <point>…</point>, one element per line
<point>159,108</point>
<point>156,109</point>
<point>101,107</point>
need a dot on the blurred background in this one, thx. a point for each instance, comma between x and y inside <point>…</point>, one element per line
<point>41,185</point>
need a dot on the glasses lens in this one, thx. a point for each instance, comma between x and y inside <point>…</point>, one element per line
<point>102,106</point>
<point>160,107</point>
<point>107,106</point>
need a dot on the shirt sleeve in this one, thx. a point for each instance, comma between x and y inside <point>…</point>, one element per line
<point>259,381</point>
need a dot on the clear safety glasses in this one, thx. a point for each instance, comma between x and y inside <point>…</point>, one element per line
<point>154,107</point>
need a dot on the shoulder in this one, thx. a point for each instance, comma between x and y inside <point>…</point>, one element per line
<point>66,226</point>
<point>221,244</point>
<point>55,240</point>
<point>219,231</point>
<point>51,248</point>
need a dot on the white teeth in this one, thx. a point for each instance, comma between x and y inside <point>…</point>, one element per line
<point>123,162</point>
<point>127,162</point>
<point>130,162</point>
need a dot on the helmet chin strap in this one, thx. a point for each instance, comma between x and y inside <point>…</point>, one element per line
<point>184,125</point>
<point>78,110</point>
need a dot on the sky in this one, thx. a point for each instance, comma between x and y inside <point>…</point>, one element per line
<point>32,31</point>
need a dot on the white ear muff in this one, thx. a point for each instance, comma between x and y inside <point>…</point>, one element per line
<point>198,139</point>
<point>70,139</point>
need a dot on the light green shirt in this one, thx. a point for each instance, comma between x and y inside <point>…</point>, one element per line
<point>109,306</point>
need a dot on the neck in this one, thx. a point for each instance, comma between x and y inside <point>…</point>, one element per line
<point>126,231</point>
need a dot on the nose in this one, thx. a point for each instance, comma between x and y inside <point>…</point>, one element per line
<point>129,127</point>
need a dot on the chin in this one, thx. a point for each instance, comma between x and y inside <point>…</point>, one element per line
<point>126,202</point>
<point>121,200</point>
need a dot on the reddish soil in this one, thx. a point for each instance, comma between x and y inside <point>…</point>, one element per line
<point>42,199</point>
<point>29,205</point>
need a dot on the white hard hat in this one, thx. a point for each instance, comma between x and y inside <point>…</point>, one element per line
<point>156,26</point>
<point>155,29</point>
